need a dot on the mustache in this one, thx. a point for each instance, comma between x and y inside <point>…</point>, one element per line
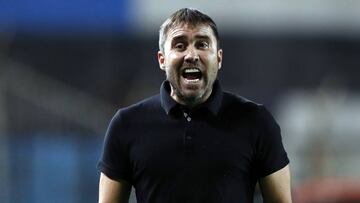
<point>191,65</point>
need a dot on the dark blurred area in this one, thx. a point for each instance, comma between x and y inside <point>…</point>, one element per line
<point>121,70</point>
<point>64,73</point>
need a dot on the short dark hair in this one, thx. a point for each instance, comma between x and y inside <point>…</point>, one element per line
<point>189,16</point>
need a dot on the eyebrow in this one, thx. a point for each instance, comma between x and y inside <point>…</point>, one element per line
<point>202,37</point>
<point>178,38</point>
<point>182,37</point>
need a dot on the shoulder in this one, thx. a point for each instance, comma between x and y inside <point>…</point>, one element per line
<point>127,118</point>
<point>239,106</point>
<point>141,108</point>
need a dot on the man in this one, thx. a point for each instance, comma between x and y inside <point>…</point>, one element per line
<point>193,143</point>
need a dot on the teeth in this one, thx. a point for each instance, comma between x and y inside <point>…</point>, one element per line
<point>193,80</point>
<point>192,70</point>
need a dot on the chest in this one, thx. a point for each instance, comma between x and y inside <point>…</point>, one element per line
<point>192,147</point>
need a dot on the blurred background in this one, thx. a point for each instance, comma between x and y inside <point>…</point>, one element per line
<point>67,66</point>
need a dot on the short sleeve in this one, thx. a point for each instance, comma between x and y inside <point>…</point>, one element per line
<point>270,153</point>
<point>115,162</point>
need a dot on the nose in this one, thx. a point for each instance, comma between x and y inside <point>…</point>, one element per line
<point>191,55</point>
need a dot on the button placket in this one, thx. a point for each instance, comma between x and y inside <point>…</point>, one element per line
<point>188,133</point>
<point>187,116</point>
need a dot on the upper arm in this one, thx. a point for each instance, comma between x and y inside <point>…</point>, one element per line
<point>111,191</point>
<point>115,166</point>
<point>276,186</point>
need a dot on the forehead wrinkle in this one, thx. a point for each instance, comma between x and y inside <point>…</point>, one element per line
<point>201,29</point>
<point>186,31</point>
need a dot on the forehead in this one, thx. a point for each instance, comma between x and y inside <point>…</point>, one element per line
<point>189,31</point>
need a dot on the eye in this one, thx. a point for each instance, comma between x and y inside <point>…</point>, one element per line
<point>179,46</point>
<point>203,45</point>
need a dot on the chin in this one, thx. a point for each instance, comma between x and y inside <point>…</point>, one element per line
<point>192,99</point>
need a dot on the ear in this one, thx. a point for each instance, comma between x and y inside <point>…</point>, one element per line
<point>161,59</point>
<point>220,57</point>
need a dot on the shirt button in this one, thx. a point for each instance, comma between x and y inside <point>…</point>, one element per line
<point>188,119</point>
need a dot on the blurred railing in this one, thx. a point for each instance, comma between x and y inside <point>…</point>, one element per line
<point>42,166</point>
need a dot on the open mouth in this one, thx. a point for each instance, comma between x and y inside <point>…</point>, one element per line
<point>192,74</point>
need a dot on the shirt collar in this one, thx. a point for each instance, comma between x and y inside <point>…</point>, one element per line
<point>167,102</point>
<point>212,104</point>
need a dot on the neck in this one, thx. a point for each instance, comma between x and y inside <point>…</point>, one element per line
<point>189,102</point>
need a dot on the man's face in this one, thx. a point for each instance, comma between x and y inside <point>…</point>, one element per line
<point>191,60</point>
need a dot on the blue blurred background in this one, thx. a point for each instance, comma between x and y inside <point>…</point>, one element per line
<point>67,66</point>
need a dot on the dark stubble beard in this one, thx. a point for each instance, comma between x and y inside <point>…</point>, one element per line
<point>193,100</point>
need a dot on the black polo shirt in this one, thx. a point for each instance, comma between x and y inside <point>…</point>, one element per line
<point>213,153</point>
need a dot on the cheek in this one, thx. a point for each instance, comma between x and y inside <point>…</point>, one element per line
<point>211,62</point>
<point>174,58</point>
<point>173,62</point>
